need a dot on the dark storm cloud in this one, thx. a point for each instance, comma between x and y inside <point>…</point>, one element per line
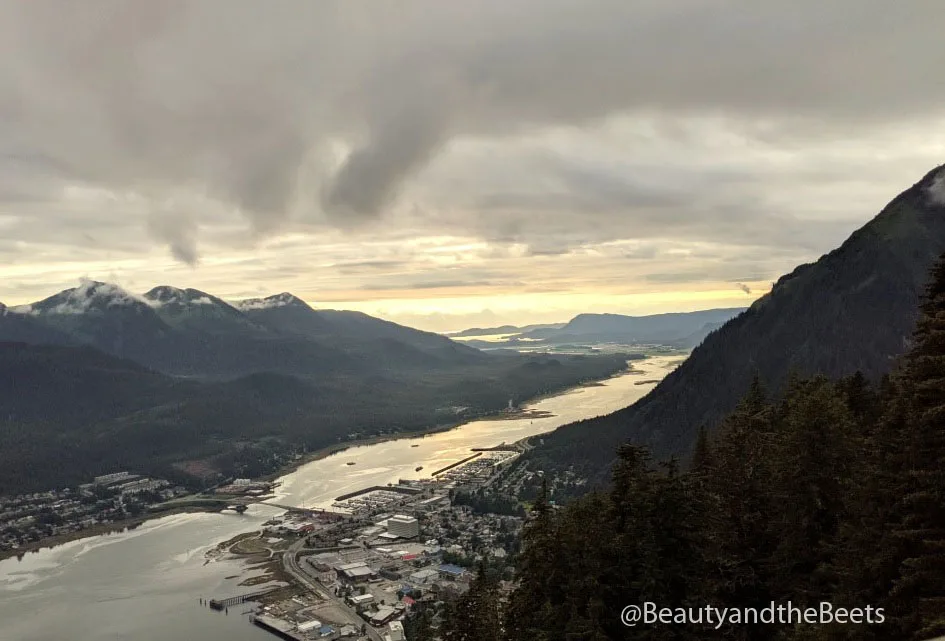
<point>335,106</point>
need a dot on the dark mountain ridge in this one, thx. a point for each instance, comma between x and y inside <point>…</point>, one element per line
<point>643,328</point>
<point>187,332</point>
<point>852,310</point>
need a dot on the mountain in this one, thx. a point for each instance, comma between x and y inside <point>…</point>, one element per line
<point>177,332</point>
<point>503,329</point>
<point>181,384</point>
<point>695,338</point>
<point>104,316</point>
<point>358,333</point>
<point>187,332</point>
<point>196,310</point>
<point>643,329</point>
<point>854,309</point>
<point>70,413</point>
<point>360,326</point>
<point>17,324</point>
<point>285,314</point>
<point>682,329</point>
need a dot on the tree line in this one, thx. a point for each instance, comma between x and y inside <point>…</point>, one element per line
<point>832,492</point>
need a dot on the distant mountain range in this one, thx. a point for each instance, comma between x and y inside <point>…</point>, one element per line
<point>684,329</point>
<point>854,309</point>
<point>181,383</point>
<point>187,332</point>
<point>502,329</point>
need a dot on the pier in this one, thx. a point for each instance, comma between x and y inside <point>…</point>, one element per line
<point>222,604</point>
<point>457,464</point>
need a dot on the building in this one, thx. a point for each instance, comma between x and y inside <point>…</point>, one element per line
<point>321,571</point>
<point>395,631</point>
<point>422,577</point>
<point>450,571</point>
<point>308,626</point>
<point>405,527</point>
<point>382,616</point>
<point>361,599</point>
<point>356,573</point>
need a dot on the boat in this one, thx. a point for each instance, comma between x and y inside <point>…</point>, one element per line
<point>350,463</point>
<point>415,445</point>
<point>419,467</point>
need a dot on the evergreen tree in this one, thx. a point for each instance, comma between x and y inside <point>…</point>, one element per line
<point>419,625</point>
<point>867,551</point>
<point>475,616</point>
<point>535,611</point>
<point>742,541</point>
<point>702,453</point>
<point>810,463</point>
<point>922,507</point>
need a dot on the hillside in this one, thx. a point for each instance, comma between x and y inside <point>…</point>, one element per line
<point>371,338</point>
<point>854,309</point>
<point>70,413</point>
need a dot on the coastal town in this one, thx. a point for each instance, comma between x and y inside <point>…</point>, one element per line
<point>364,567</point>
<point>360,568</point>
<point>45,517</point>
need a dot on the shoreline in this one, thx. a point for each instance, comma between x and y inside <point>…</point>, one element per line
<point>292,466</point>
<point>498,415</point>
<point>101,529</point>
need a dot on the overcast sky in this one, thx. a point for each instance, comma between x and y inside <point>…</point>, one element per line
<point>450,164</point>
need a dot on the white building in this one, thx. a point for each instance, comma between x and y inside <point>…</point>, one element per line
<point>308,626</point>
<point>405,527</point>
<point>361,599</point>
<point>395,631</point>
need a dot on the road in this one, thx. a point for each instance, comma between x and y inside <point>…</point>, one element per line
<point>290,561</point>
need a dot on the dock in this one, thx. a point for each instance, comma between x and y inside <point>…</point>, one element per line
<point>278,627</point>
<point>457,464</point>
<point>222,604</point>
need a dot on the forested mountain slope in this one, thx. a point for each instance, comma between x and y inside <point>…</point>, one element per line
<point>852,310</point>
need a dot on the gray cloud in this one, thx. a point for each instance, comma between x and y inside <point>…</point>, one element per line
<point>292,107</point>
<point>937,188</point>
<point>745,288</point>
<point>179,231</point>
